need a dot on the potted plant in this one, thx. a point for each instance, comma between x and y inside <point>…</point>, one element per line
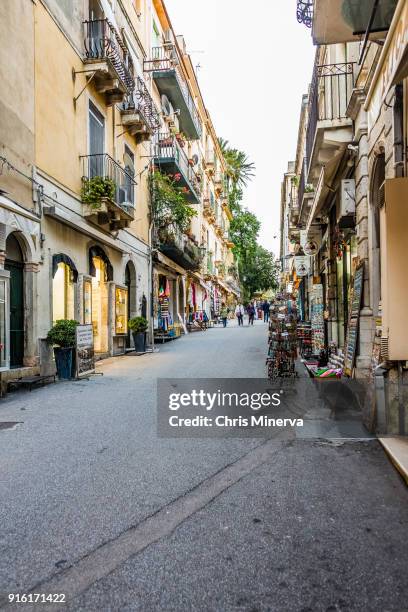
<point>138,327</point>
<point>95,189</point>
<point>62,337</point>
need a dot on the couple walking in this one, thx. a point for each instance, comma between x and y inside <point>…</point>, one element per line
<point>240,311</point>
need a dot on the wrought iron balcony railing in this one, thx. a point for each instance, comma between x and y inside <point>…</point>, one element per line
<point>104,166</point>
<point>166,148</point>
<point>330,93</point>
<point>166,59</point>
<point>104,43</point>
<point>140,100</point>
<point>304,12</point>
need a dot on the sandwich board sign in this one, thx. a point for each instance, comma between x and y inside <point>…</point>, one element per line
<point>85,356</point>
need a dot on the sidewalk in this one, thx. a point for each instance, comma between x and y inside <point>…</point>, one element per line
<point>397,450</point>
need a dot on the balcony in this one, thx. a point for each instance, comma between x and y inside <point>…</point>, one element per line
<point>167,74</point>
<point>108,192</point>
<point>209,269</point>
<point>329,129</point>
<point>170,158</point>
<point>180,248</point>
<point>139,113</point>
<point>219,183</point>
<point>109,59</point>
<point>210,161</point>
<point>304,198</point>
<point>340,21</point>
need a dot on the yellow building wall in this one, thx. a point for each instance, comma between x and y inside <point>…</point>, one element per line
<point>62,127</point>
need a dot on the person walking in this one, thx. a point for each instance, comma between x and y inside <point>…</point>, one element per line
<point>224,314</point>
<point>266,309</point>
<point>239,313</point>
<point>251,313</point>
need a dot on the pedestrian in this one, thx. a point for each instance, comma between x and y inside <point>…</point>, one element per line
<point>251,313</point>
<point>266,309</point>
<point>224,314</point>
<point>239,313</point>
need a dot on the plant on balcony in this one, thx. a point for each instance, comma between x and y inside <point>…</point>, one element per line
<point>309,188</point>
<point>95,189</point>
<point>169,206</point>
<point>181,139</point>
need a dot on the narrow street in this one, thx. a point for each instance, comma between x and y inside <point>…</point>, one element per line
<point>94,505</point>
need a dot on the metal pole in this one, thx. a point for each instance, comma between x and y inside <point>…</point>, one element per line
<point>368,31</point>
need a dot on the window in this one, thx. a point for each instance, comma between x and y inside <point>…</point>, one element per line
<point>129,161</point>
<point>155,36</point>
<point>96,141</point>
<point>63,293</point>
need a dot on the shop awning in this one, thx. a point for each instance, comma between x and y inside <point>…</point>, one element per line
<point>169,264</point>
<point>97,251</point>
<point>62,258</point>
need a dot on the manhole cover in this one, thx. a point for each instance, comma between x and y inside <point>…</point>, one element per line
<point>9,424</point>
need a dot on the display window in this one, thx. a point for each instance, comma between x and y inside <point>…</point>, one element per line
<point>121,310</point>
<point>100,306</point>
<point>87,301</point>
<point>63,293</point>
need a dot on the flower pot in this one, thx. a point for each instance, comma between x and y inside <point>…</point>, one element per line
<point>139,339</point>
<point>64,362</point>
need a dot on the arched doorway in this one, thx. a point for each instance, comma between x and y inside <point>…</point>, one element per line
<point>101,271</point>
<point>15,265</point>
<point>64,277</point>
<point>130,282</point>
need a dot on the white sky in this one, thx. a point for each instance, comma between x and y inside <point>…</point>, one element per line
<point>256,62</point>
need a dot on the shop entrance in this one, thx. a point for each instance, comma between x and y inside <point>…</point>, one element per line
<point>130,282</point>
<point>100,306</point>
<point>15,265</point>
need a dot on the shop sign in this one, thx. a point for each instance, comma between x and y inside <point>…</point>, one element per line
<point>311,240</point>
<point>85,356</point>
<point>302,265</point>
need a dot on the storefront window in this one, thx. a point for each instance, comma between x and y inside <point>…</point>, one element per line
<point>121,309</point>
<point>87,302</point>
<point>63,293</point>
<point>100,306</point>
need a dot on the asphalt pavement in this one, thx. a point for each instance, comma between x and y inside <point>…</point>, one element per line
<point>93,504</point>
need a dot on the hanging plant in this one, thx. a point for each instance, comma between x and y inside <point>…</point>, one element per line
<point>169,206</point>
<point>94,190</point>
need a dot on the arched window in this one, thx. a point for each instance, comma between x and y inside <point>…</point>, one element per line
<point>65,275</point>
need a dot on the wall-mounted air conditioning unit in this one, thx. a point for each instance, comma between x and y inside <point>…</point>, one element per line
<point>348,197</point>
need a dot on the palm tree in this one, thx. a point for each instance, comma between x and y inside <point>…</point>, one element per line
<point>240,169</point>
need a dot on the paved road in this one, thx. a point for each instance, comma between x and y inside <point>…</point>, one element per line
<point>93,504</point>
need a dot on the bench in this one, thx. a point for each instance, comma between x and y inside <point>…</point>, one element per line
<point>31,381</point>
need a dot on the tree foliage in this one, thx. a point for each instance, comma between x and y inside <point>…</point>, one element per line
<point>256,265</point>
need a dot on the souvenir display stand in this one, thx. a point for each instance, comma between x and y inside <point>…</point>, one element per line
<point>282,341</point>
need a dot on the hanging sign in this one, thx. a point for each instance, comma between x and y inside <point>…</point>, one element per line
<point>85,356</point>
<point>302,265</point>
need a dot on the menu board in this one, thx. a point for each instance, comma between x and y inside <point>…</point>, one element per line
<point>85,356</point>
<point>356,295</point>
